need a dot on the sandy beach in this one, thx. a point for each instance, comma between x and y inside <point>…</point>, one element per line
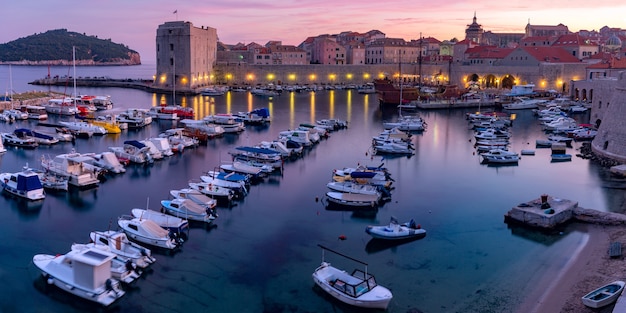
<point>590,267</point>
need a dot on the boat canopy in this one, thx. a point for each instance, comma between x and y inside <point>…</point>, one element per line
<point>257,150</point>
<point>42,135</point>
<point>262,112</point>
<point>135,143</point>
<point>362,174</point>
<point>28,182</point>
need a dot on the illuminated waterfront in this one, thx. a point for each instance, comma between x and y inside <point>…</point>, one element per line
<point>261,254</point>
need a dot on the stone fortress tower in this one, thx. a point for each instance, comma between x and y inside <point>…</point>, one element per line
<point>185,56</point>
<point>610,141</point>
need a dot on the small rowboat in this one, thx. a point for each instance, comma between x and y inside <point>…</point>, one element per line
<point>604,295</point>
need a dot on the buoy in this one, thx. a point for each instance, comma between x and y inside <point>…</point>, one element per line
<point>342,237</point>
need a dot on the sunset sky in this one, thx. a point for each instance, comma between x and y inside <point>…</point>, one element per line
<point>134,23</point>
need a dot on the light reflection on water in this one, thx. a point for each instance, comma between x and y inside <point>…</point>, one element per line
<point>263,251</point>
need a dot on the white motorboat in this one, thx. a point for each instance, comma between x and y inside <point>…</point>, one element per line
<point>500,156</point>
<point>53,182</point>
<point>359,289</point>
<point>160,114</point>
<point>16,114</point>
<point>122,270</point>
<point>406,123</point>
<point>396,231</point>
<point>65,106</point>
<point>352,187</point>
<point>336,124</point>
<point>25,184</point>
<point>195,196</point>
<point>300,136</point>
<point>148,232</point>
<point>246,168</point>
<point>134,151</point>
<point>353,200</point>
<point>85,273</point>
<point>153,150</point>
<point>492,134</point>
<point>255,117</point>
<point>604,295</point>
<point>108,161</point>
<point>187,209</point>
<point>213,191</point>
<point>117,242</point>
<point>19,140</point>
<point>269,157</point>
<point>522,103</point>
<point>561,157</point>
<point>40,138</point>
<point>135,118</point>
<point>177,140</point>
<point>281,147</point>
<point>163,145</point>
<point>389,147</point>
<point>71,165</point>
<point>236,185</point>
<point>172,223</point>
<point>229,122</point>
<point>84,128</point>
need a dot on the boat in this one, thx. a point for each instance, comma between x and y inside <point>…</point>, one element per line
<point>53,182</point>
<point>561,157</point>
<point>148,232</point>
<point>264,92</point>
<point>604,295</point>
<point>108,161</point>
<point>35,112</point>
<point>80,127</point>
<point>153,150</point>
<point>334,124</point>
<point>269,157</point>
<point>134,118</point>
<point>16,114</point>
<point>396,231</point>
<point>300,136</point>
<point>25,184</point>
<point>19,140</point>
<point>180,111</point>
<point>407,123</point>
<point>352,200</point>
<point>163,145</point>
<point>117,242</point>
<point>177,140</point>
<point>169,222</point>
<point>212,91</point>
<point>160,114</point>
<point>71,165</point>
<point>246,168</point>
<point>389,147</point>
<point>358,289</point>
<point>237,185</point>
<point>390,93</point>
<point>63,106</point>
<point>216,192</point>
<point>40,138</point>
<point>109,123</point>
<point>522,103</point>
<point>230,123</point>
<point>527,152</point>
<point>124,271</point>
<point>500,156</point>
<point>187,209</point>
<point>134,151</point>
<point>85,273</point>
<point>195,196</point>
<point>352,187</point>
<point>255,117</point>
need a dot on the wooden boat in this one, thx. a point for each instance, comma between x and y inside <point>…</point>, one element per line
<point>396,231</point>
<point>389,93</point>
<point>604,295</point>
<point>358,289</point>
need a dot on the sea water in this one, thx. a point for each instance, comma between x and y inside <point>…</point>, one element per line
<point>260,253</point>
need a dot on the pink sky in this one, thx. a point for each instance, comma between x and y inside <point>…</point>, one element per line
<point>134,22</point>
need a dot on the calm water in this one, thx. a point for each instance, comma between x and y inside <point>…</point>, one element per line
<point>260,255</point>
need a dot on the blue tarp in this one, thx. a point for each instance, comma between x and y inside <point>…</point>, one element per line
<point>362,174</point>
<point>262,112</point>
<point>27,183</point>
<point>134,143</point>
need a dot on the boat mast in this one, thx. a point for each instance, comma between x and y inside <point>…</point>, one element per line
<point>11,86</point>
<point>74,66</point>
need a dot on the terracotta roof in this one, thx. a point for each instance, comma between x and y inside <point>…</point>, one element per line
<point>613,63</point>
<point>570,40</point>
<point>551,54</point>
<point>487,52</point>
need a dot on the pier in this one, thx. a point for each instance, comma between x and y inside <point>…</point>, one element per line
<point>141,84</point>
<point>549,212</point>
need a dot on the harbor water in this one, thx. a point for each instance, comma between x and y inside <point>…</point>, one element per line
<point>260,253</point>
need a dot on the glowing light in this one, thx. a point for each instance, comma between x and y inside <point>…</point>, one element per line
<point>349,76</point>
<point>250,77</point>
<point>366,75</point>
<point>292,77</point>
<point>163,78</point>
<point>229,76</point>
<point>312,77</point>
<point>270,76</point>
<point>332,77</point>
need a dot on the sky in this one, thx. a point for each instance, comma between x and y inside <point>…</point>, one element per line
<point>134,22</point>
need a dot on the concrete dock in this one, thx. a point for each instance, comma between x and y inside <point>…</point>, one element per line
<point>549,212</point>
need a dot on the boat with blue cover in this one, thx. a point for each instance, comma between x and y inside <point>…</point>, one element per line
<point>25,184</point>
<point>262,155</point>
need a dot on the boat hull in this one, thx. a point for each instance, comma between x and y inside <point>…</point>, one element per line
<point>604,295</point>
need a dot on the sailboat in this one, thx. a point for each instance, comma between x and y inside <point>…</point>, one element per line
<point>66,105</point>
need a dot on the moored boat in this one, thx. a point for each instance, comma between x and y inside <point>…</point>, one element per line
<point>396,231</point>
<point>169,222</point>
<point>359,289</point>
<point>148,232</point>
<point>25,184</point>
<point>117,242</point>
<point>187,209</point>
<point>85,273</point>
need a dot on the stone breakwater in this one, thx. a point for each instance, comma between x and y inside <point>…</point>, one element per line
<point>550,212</point>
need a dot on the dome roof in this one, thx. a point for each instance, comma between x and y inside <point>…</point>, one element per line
<point>613,42</point>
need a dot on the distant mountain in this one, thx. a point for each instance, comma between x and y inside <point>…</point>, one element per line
<point>55,47</point>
